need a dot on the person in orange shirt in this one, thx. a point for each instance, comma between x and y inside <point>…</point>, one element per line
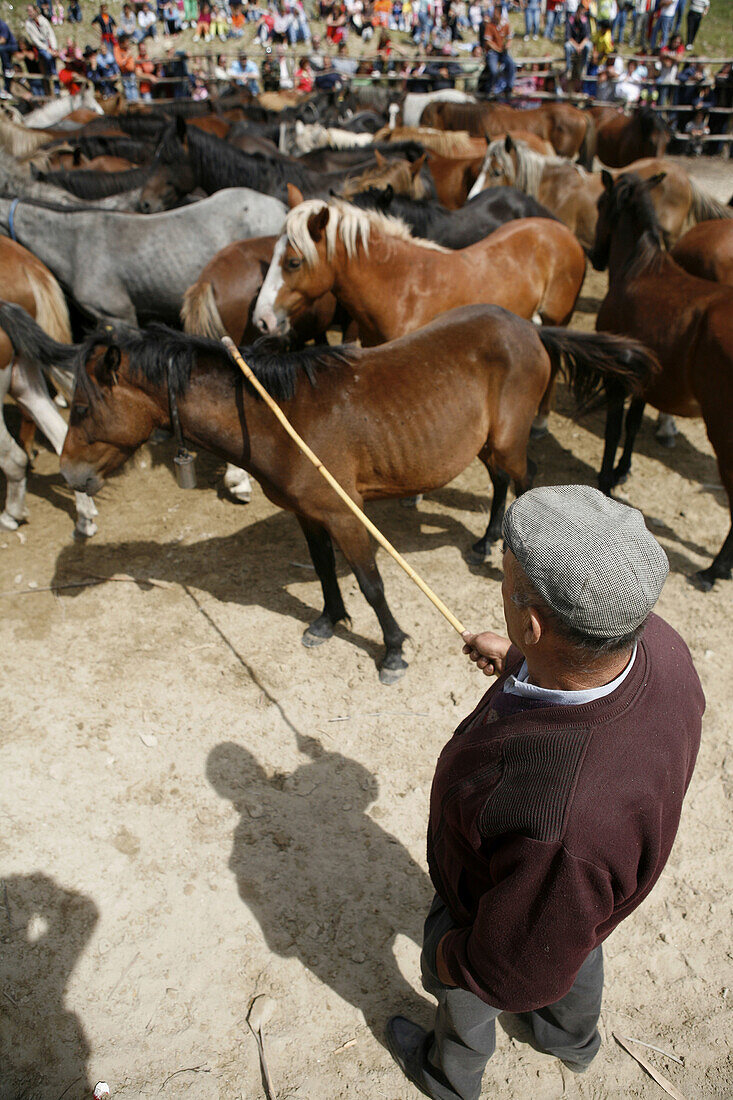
<point>126,64</point>
<point>145,72</point>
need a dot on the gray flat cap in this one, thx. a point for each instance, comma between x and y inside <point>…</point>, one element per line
<point>592,559</point>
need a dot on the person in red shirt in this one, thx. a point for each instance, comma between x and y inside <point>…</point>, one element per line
<point>555,804</point>
<point>304,76</point>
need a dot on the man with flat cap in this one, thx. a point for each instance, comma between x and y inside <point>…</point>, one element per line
<point>555,804</point>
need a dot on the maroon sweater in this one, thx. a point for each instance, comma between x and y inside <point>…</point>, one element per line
<point>549,825</point>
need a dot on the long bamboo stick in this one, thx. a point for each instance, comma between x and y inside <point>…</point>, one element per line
<point>275,408</point>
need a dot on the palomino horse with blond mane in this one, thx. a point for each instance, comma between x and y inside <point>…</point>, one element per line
<point>389,421</point>
<point>572,194</point>
<point>26,281</point>
<point>391,283</point>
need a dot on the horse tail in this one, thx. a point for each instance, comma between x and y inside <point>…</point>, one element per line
<point>588,359</point>
<point>199,312</point>
<point>589,143</point>
<point>29,339</point>
<point>704,207</point>
<point>52,313</point>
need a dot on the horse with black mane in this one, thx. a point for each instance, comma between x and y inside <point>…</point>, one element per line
<point>686,321</point>
<point>622,138</point>
<point>90,185</point>
<point>388,422</point>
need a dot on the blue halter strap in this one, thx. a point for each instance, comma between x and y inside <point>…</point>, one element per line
<point>11,219</point>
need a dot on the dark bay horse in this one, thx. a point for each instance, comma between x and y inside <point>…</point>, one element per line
<point>706,250</point>
<point>624,138</point>
<point>391,283</point>
<point>686,321</point>
<point>569,131</point>
<point>471,382</point>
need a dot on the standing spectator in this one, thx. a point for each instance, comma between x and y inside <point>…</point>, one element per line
<point>495,37</point>
<point>663,25</point>
<point>42,37</point>
<point>145,72</point>
<point>697,128</point>
<point>270,72</point>
<point>666,79</point>
<point>145,22</point>
<point>554,17</point>
<point>639,20</point>
<point>106,25</point>
<point>531,19</point>
<point>286,79</point>
<point>304,77</point>
<point>101,69</point>
<point>75,12</point>
<point>619,23</point>
<point>578,42</point>
<point>681,7</point>
<point>8,46</point>
<point>697,9</point>
<point>126,64</point>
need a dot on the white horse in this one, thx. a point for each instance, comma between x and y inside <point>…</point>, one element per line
<point>416,102</point>
<point>55,111</point>
<point>304,138</point>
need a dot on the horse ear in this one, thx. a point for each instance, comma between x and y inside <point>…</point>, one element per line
<point>385,197</point>
<point>508,143</point>
<point>299,126</point>
<point>180,128</point>
<point>317,223</point>
<point>417,165</point>
<point>607,179</point>
<point>379,158</point>
<point>654,181</point>
<point>106,370</point>
<point>77,157</point>
<point>295,196</point>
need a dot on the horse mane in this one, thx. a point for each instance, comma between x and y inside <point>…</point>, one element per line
<point>161,355</point>
<point>629,194</point>
<point>90,184</point>
<point>416,213</point>
<point>527,174</point>
<point>349,224</point>
<point>446,143</point>
<point>228,163</point>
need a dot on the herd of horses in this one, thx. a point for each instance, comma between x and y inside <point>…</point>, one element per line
<point>449,236</point>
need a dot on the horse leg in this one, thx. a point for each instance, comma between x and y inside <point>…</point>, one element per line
<point>481,549</point>
<point>505,458</point>
<point>539,427</point>
<point>353,539</point>
<point>717,425</point>
<point>321,552</point>
<point>666,430</point>
<point>13,463</point>
<point>237,483</point>
<point>633,423</point>
<point>614,424</point>
<point>30,391</point>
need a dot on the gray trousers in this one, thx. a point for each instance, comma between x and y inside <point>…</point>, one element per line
<point>464,1034</point>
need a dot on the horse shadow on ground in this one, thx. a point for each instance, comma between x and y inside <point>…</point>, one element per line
<point>326,883</point>
<point>256,564</point>
<point>44,930</point>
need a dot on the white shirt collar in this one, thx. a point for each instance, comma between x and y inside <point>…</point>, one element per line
<point>519,685</point>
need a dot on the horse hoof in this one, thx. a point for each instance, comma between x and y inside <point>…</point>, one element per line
<point>668,441</point>
<point>538,431</point>
<point>411,502</point>
<point>317,633</point>
<point>389,676</point>
<point>10,523</point>
<point>702,581</point>
<point>85,529</point>
<point>479,553</point>
<point>241,498</point>
<point>160,435</point>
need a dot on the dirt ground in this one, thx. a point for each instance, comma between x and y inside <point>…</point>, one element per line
<point>197,810</point>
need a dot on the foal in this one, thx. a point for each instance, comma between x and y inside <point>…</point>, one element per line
<point>686,321</point>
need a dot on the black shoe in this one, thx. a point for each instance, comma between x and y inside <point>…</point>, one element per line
<point>407,1043</point>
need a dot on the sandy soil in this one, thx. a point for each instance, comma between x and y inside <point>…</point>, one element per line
<point>196,809</point>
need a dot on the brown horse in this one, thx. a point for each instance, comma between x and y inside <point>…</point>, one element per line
<point>29,283</point>
<point>686,321</point>
<point>706,250</point>
<point>390,421</point>
<point>569,131</point>
<point>449,143</point>
<point>392,283</point>
<point>454,177</point>
<point>572,194</point>
<point>623,138</point>
<point>403,176</point>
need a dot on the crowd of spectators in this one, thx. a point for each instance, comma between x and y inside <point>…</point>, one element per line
<point>443,31</point>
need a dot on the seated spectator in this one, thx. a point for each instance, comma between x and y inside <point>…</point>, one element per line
<point>304,76</point>
<point>171,18</point>
<point>605,90</point>
<point>588,86</point>
<point>145,22</point>
<point>666,78</point>
<point>246,73</point>
<point>270,71</point>
<point>316,55</point>
<point>145,72</point>
<point>628,88</point>
<point>128,22</point>
<point>126,64</point>
<point>675,48</point>
<point>203,26</point>
<point>74,12</point>
<point>578,41</point>
<point>106,24</point>
<point>286,79</point>
<point>200,91</point>
<point>496,36</point>
<point>219,27</point>
<point>42,37</point>
<point>265,25</point>
<point>602,40</point>
<point>8,46</point>
<point>236,29</point>
<point>344,64</point>
<point>190,14</point>
<point>328,79</point>
<point>337,24</point>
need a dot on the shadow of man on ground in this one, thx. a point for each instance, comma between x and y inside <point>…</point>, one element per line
<point>44,930</point>
<point>327,884</point>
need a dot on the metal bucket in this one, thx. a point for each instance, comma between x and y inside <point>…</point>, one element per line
<point>185,467</point>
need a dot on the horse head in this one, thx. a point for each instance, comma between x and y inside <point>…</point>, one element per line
<point>172,174</point>
<point>625,198</point>
<point>300,272</point>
